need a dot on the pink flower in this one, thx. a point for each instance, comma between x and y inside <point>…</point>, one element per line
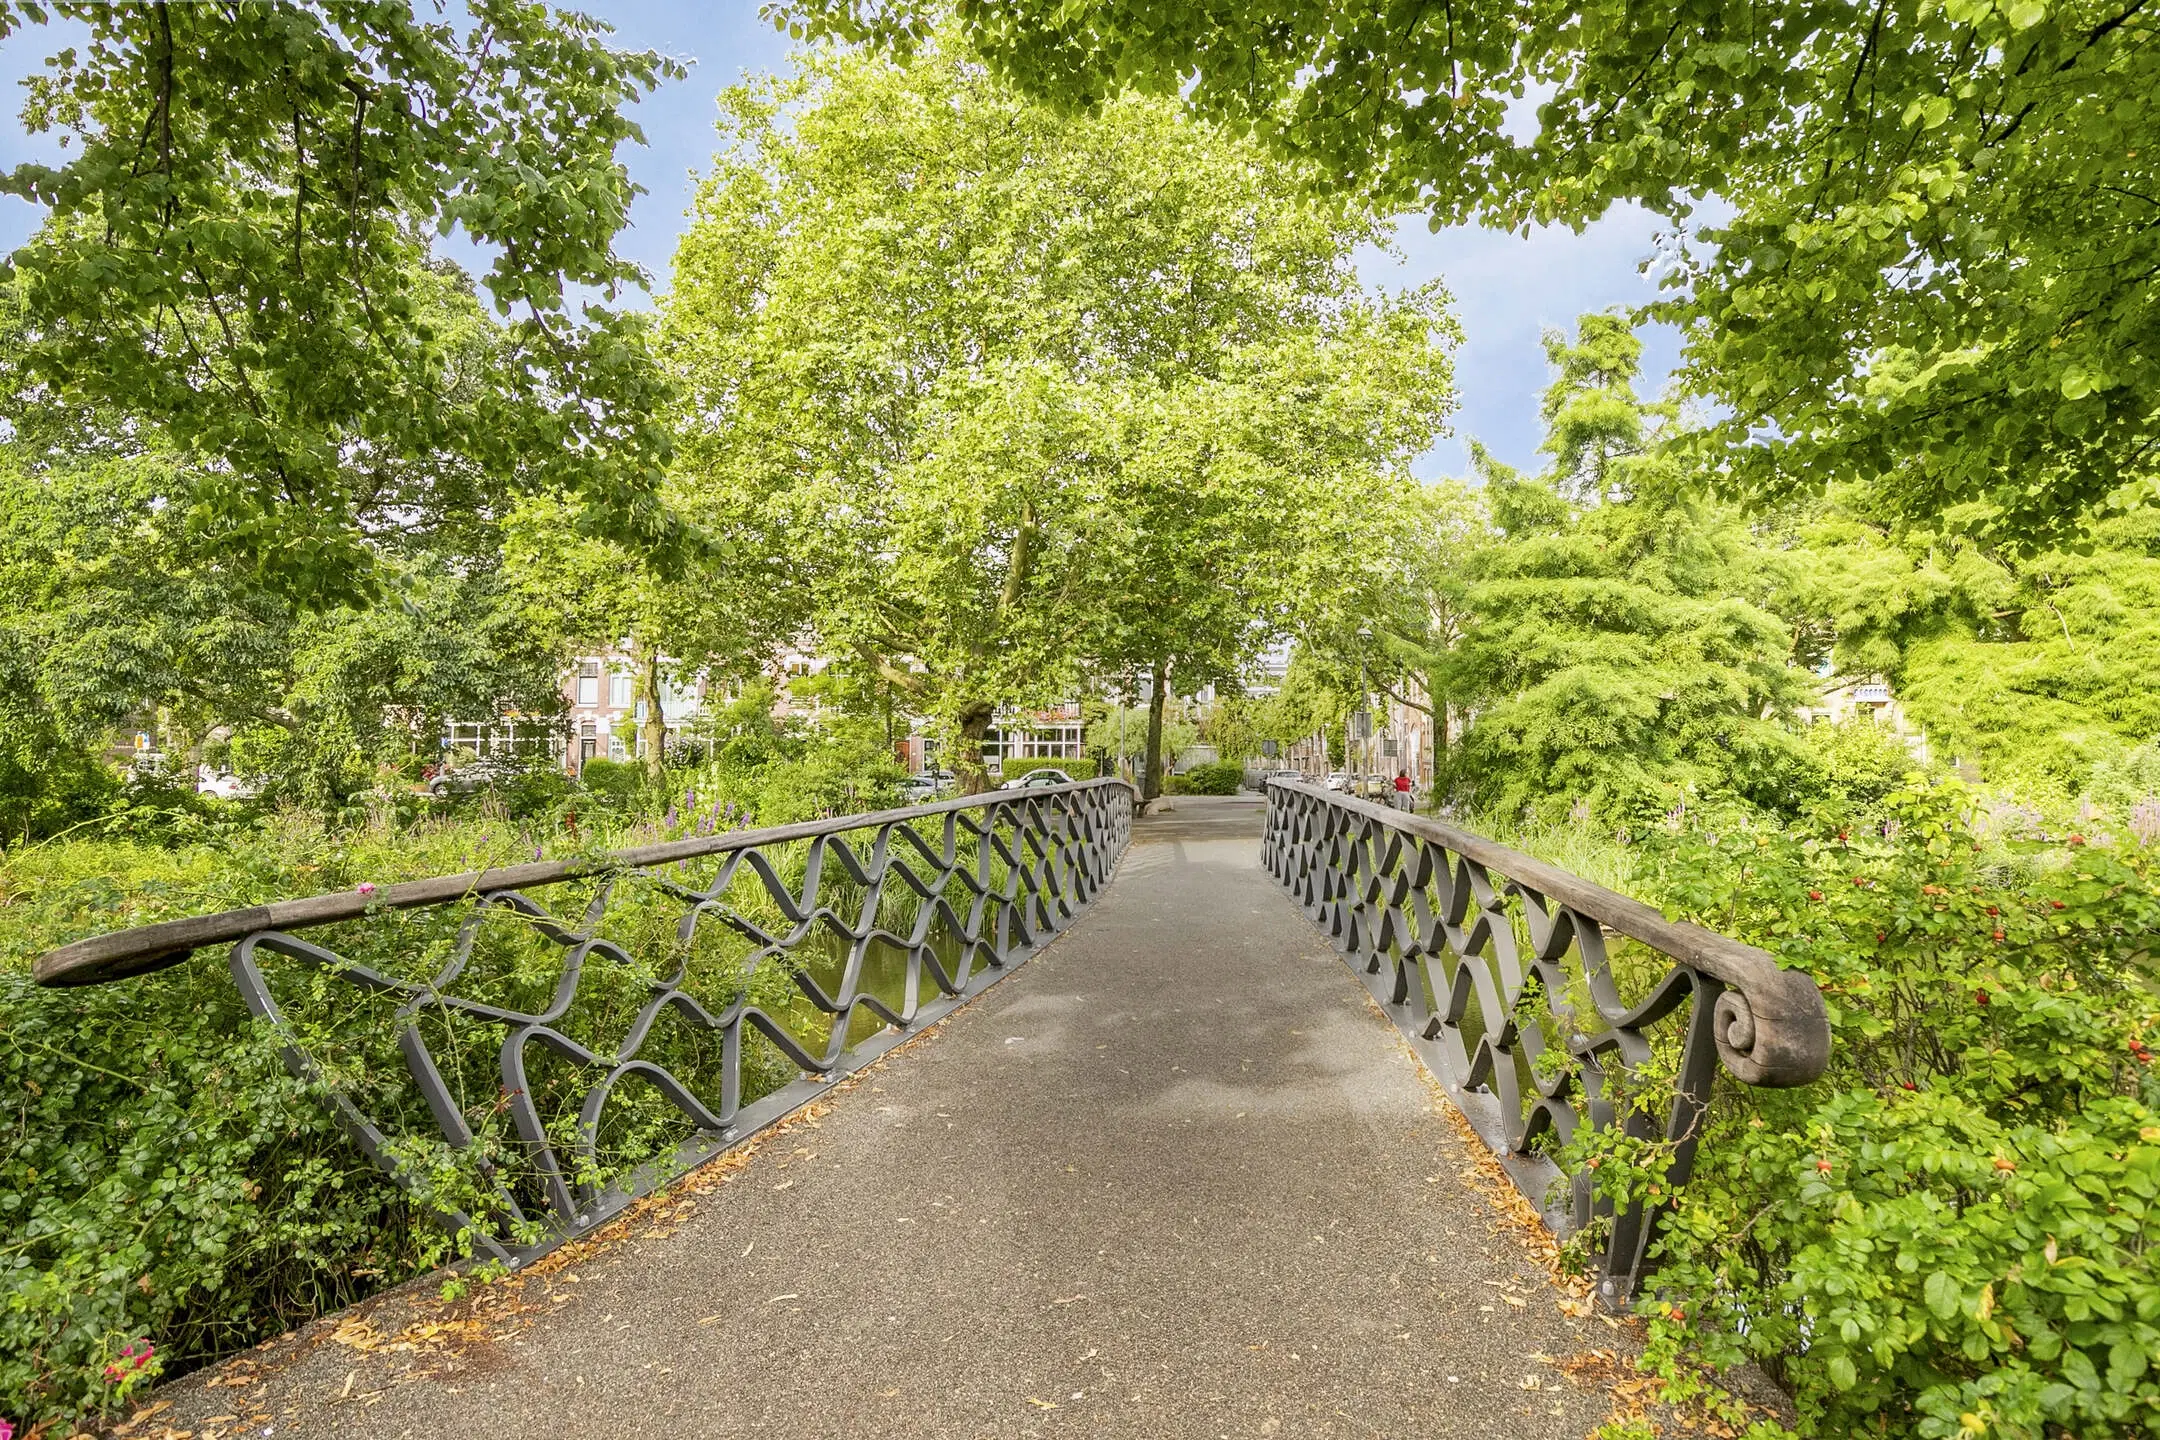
<point>367,888</point>
<point>7,1430</point>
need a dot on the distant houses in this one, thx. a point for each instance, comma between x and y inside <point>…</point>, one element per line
<point>602,717</point>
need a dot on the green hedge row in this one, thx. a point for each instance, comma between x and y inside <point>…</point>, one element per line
<point>1079,769</point>
<point>1217,777</point>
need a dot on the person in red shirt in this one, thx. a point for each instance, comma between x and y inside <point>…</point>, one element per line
<point>1402,790</point>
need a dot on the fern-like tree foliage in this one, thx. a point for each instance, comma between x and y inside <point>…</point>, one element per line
<point>1618,645</point>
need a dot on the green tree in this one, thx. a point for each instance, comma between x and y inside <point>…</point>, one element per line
<point>235,264</point>
<point>1594,422</point>
<point>1252,501</point>
<point>1391,625</point>
<point>1017,382</point>
<point>116,609</point>
<point>1617,651</point>
<point>718,615</point>
<point>1313,698</point>
<point>1939,264</point>
<point>2035,668</point>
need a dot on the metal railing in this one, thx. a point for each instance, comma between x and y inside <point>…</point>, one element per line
<point>1500,971</point>
<point>955,894</point>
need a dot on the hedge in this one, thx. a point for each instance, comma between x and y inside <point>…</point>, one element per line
<point>1079,769</point>
<point>1217,777</point>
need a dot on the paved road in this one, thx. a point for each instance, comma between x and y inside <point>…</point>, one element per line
<point>1175,1178</point>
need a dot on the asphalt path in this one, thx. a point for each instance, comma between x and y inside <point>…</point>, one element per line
<point>1176,1177</point>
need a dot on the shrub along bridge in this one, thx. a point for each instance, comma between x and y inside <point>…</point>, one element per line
<point>1178,1177</point>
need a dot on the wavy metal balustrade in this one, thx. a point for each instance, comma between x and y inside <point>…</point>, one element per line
<point>1436,918</point>
<point>985,881</point>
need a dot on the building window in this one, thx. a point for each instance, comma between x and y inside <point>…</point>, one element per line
<point>614,747</point>
<point>588,683</point>
<point>619,690</point>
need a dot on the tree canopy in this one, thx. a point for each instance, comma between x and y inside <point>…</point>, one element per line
<point>1940,255</point>
<point>236,267</point>
<point>1034,397</point>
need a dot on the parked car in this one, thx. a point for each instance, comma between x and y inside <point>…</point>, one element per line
<point>1269,777</point>
<point>1339,780</point>
<point>484,773</point>
<point>221,783</point>
<point>927,785</point>
<point>1036,779</point>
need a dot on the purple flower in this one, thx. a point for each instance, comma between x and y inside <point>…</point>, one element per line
<point>367,888</point>
<point>536,852</point>
<point>2145,820</point>
<point>689,798</point>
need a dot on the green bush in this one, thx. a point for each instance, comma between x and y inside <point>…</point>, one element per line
<point>47,783</point>
<point>534,791</point>
<point>1951,1232</point>
<point>1079,769</point>
<point>614,782</point>
<point>166,1181</point>
<point>1855,763</point>
<point>1217,777</point>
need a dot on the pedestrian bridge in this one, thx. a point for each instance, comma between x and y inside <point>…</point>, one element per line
<point>1007,1116</point>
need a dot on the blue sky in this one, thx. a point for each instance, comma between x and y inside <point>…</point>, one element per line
<point>1508,289</point>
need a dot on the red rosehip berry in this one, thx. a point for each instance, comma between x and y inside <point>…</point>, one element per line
<point>1823,1166</point>
<point>1980,997</point>
<point>1907,1084</point>
<point>2077,840</point>
<point>2056,903</point>
<point>1998,934</point>
<point>1814,894</point>
<point>1992,910</point>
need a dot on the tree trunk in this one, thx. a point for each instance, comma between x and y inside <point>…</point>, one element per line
<point>1440,731</point>
<point>968,769</point>
<point>1151,776</point>
<point>652,732</point>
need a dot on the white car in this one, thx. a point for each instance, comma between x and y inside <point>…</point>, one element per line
<point>1340,780</point>
<point>222,784</point>
<point>1035,779</point>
